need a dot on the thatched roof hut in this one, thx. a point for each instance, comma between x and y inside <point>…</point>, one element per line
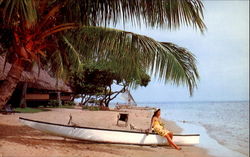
<point>42,81</point>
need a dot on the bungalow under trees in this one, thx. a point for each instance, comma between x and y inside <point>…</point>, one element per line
<point>36,87</point>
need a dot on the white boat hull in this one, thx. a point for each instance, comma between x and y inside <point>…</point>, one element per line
<point>108,136</point>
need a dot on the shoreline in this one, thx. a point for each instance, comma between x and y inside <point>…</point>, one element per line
<point>228,146</point>
<point>224,132</point>
<point>210,144</point>
<point>30,142</point>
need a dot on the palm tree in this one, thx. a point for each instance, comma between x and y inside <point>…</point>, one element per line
<point>59,34</point>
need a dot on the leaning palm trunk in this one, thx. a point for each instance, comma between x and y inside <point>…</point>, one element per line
<point>8,86</point>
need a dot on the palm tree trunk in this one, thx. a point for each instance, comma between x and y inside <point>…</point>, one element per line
<point>8,86</point>
<point>23,103</point>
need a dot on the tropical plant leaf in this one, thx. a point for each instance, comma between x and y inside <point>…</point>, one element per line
<point>39,24</point>
<point>129,53</point>
<point>153,13</point>
<point>57,64</point>
<point>183,70</point>
<point>74,56</point>
<point>17,12</point>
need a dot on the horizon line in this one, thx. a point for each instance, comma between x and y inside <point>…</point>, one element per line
<point>198,101</point>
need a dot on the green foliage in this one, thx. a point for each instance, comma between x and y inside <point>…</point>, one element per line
<point>145,79</point>
<point>69,103</point>
<point>81,83</point>
<point>91,108</point>
<point>95,78</point>
<point>154,13</point>
<point>17,11</point>
<point>53,103</point>
<point>66,106</point>
<point>130,55</point>
<point>38,28</point>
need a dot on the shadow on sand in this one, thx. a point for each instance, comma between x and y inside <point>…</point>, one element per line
<point>30,137</point>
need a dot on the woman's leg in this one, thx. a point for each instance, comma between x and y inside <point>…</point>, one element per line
<point>170,135</point>
<point>171,143</point>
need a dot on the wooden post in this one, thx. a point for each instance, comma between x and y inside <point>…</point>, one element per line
<point>23,103</point>
<point>59,98</point>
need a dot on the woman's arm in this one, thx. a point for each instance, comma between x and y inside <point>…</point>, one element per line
<point>151,125</point>
<point>152,122</point>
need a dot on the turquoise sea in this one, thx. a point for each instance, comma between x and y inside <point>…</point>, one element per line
<point>223,126</point>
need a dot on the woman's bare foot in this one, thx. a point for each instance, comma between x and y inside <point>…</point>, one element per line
<point>172,146</point>
<point>178,148</point>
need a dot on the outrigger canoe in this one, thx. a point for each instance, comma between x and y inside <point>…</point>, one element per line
<point>108,135</point>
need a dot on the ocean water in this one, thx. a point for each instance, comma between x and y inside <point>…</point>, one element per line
<point>223,126</point>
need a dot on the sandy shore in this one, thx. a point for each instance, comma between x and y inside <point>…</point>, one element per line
<point>19,140</point>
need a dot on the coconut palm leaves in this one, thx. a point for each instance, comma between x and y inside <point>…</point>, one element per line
<point>129,52</point>
<point>37,27</point>
<point>17,11</point>
<point>155,13</point>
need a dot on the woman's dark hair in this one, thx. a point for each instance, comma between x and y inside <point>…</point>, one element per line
<point>155,114</point>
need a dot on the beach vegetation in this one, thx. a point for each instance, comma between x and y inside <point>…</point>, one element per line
<point>94,82</point>
<point>69,103</point>
<point>58,35</point>
<point>56,104</point>
<point>91,108</point>
<point>53,103</point>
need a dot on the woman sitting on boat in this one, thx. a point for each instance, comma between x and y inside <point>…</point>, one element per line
<point>158,128</point>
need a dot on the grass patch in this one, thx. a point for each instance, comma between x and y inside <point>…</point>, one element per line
<point>30,110</point>
<point>63,106</point>
<point>66,106</point>
<point>91,108</point>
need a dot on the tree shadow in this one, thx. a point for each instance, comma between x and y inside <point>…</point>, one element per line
<point>30,137</point>
<point>7,131</point>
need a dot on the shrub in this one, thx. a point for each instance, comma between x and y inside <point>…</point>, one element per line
<point>53,103</point>
<point>69,103</point>
<point>91,108</point>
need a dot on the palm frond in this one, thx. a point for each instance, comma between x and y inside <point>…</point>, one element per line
<point>181,66</point>
<point>154,13</point>
<point>57,64</point>
<point>19,11</point>
<point>73,55</point>
<point>131,52</point>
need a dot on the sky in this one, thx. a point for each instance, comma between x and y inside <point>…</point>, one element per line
<point>222,54</point>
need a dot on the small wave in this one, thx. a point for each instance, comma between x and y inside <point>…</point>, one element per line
<point>228,138</point>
